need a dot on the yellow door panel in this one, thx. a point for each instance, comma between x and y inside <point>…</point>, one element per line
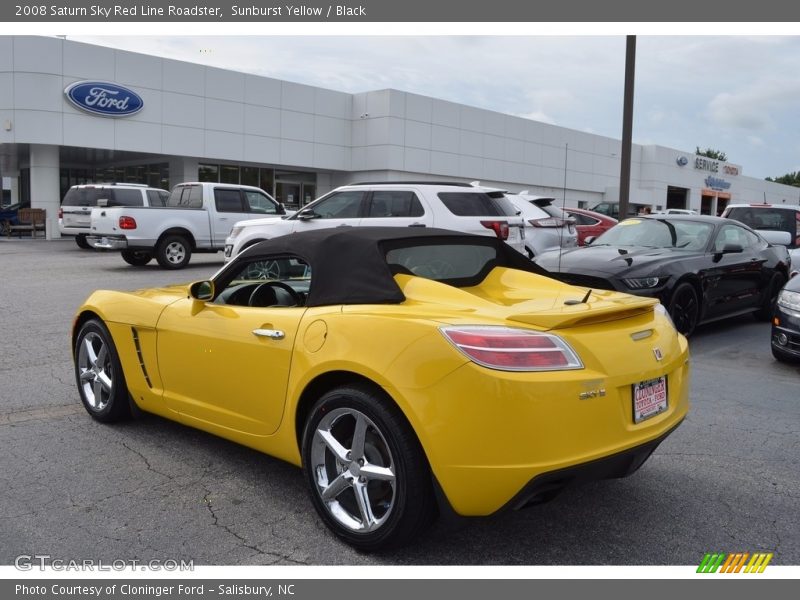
<point>228,365</point>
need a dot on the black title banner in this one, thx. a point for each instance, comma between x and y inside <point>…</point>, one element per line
<point>348,11</point>
<point>397,589</point>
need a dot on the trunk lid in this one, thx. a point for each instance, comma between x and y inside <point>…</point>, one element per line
<point>527,298</point>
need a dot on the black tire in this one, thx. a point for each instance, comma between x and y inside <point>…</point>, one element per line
<point>173,252</point>
<point>80,239</point>
<point>98,374</point>
<point>784,356</point>
<point>776,282</point>
<point>401,509</point>
<point>137,258</point>
<point>684,308</point>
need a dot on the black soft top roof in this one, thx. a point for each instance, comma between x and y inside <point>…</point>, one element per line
<point>348,264</point>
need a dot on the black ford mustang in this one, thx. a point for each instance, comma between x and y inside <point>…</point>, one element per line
<point>701,268</point>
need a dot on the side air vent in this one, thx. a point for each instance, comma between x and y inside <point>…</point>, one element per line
<point>140,357</point>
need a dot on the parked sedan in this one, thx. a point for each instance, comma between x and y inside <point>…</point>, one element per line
<point>786,323</point>
<point>701,268</point>
<point>589,224</point>
<point>400,367</point>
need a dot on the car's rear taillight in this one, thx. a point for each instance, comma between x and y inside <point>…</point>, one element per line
<point>511,349</point>
<point>549,222</point>
<point>500,228</point>
<point>127,223</point>
<point>60,213</point>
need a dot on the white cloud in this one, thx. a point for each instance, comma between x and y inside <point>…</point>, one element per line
<point>758,107</point>
<point>538,116</point>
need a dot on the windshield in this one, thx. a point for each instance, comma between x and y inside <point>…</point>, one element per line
<point>657,233</point>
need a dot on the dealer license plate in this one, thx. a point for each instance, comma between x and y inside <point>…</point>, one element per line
<point>513,234</point>
<point>649,398</point>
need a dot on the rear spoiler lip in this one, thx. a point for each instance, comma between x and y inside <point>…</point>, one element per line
<point>585,314</point>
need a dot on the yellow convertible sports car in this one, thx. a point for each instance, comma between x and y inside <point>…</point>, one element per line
<point>406,370</point>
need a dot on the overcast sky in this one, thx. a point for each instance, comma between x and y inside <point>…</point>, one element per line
<point>737,94</point>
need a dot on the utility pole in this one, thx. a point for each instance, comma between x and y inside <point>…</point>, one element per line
<point>627,127</point>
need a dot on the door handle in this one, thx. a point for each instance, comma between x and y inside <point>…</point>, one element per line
<point>274,334</point>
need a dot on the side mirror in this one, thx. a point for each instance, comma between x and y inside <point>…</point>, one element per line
<point>307,214</point>
<point>589,239</point>
<point>281,209</point>
<point>202,290</point>
<point>728,249</point>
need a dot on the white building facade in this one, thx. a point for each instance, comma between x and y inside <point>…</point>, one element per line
<point>298,141</point>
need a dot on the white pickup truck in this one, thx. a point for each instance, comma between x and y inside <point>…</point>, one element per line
<point>197,218</point>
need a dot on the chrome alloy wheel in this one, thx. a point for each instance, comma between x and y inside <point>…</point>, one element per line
<point>175,252</point>
<point>95,371</point>
<point>353,470</point>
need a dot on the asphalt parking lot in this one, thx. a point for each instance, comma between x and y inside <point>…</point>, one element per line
<point>727,480</point>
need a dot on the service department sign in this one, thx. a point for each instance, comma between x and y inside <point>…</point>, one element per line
<point>104,98</point>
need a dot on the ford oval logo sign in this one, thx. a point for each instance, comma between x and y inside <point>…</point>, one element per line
<point>104,98</point>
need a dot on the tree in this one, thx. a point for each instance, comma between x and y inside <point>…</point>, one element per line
<point>711,153</point>
<point>788,179</point>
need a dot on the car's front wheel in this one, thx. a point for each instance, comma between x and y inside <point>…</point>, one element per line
<point>98,373</point>
<point>684,308</point>
<point>369,478</point>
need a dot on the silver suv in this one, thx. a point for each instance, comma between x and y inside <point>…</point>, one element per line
<point>74,216</point>
<point>446,205</point>
<point>547,227</point>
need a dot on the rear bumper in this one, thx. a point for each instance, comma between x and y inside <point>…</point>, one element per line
<point>64,230</point>
<point>107,242</point>
<point>488,435</point>
<point>546,486</point>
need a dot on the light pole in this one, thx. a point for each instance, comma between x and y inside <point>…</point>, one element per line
<point>627,127</point>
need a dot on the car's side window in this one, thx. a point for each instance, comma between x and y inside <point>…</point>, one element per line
<point>228,201</point>
<point>126,197</point>
<point>749,239</point>
<point>583,219</point>
<point>259,203</point>
<point>731,234</point>
<point>157,198</point>
<point>342,205</point>
<point>395,204</point>
<point>268,282</point>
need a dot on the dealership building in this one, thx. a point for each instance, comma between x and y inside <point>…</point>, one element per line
<point>74,113</point>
